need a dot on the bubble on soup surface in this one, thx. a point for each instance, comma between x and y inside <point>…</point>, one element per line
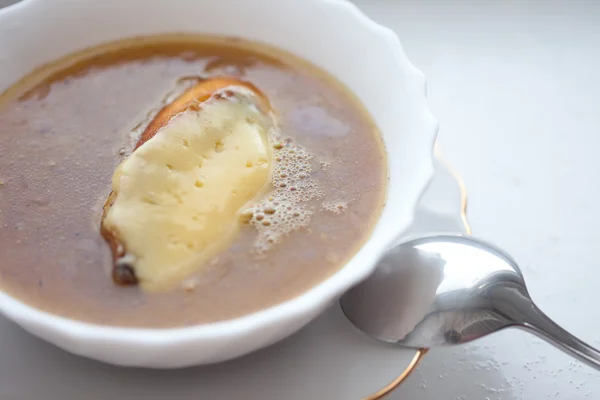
<point>285,209</point>
<point>337,207</point>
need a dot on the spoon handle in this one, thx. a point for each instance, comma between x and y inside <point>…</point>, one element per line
<point>538,323</point>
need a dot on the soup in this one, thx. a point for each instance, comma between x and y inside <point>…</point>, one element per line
<point>68,129</point>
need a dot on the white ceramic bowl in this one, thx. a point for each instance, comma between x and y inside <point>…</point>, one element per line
<point>332,34</point>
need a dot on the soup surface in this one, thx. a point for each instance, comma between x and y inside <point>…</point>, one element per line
<point>66,127</point>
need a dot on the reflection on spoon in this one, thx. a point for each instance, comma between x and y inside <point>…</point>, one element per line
<point>450,289</point>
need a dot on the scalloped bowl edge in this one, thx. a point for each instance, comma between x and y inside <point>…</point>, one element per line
<point>411,166</point>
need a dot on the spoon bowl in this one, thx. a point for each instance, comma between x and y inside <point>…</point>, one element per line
<point>450,289</point>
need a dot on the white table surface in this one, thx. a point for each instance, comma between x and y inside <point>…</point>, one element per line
<point>516,87</point>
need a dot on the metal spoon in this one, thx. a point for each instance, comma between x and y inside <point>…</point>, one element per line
<point>451,289</point>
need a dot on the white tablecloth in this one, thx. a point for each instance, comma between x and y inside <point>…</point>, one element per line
<point>516,87</point>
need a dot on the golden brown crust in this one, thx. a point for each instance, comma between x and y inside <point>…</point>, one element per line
<point>122,273</point>
<point>194,95</point>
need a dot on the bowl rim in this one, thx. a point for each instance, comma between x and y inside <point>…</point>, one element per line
<point>314,298</point>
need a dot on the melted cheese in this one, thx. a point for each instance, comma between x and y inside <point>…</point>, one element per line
<point>178,195</point>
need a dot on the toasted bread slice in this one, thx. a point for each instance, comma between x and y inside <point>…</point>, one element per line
<point>123,272</point>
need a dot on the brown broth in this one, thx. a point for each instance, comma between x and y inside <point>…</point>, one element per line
<point>63,130</point>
